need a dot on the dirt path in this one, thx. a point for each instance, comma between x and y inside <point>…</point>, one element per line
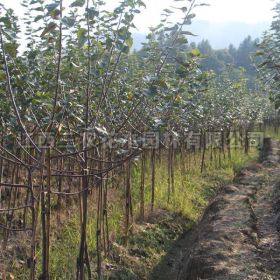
<point>238,236</point>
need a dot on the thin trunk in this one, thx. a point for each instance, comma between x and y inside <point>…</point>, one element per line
<point>172,169</point>
<point>45,264</point>
<point>202,167</point>
<point>128,202</point>
<point>142,188</point>
<point>153,163</point>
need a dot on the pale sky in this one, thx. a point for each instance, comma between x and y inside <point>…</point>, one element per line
<point>248,11</point>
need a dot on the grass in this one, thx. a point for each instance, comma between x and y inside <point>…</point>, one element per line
<point>193,189</point>
<point>148,241</point>
<point>272,133</point>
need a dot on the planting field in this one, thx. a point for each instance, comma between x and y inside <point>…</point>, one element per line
<point>123,163</point>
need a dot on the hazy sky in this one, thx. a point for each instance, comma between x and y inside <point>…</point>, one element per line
<point>249,11</point>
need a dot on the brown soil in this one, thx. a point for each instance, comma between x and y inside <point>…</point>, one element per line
<point>238,235</point>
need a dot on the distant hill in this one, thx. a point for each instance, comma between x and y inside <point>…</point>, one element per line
<point>138,39</point>
<point>220,35</point>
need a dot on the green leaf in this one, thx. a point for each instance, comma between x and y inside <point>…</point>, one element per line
<point>184,9</point>
<point>195,52</point>
<point>10,35</point>
<point>109,43</point>
<point>81,35</point>
<point>129,42</point>
<point>168,11</point>
<point>182,40</point>
<point>39,9</point>
<point>68,21</point>
<point>141,3</point>
<point>92,13</point>
<point>73,65</point>
<point>151,91</point>
<point>262,64</point>
<point>162,83</point>
<point>49,28</point>
<point>38,18</point>
<point>11,49</point>
<point>78,3</point>
<point>188,33</point>
<point>123,33</point>
<point>125,49</point>
<point>52,7</point>
<point>173,28</point>
<point>54,13</point>
<point>259,53</point>
<point>202,5</point>
<point>6,21</point>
